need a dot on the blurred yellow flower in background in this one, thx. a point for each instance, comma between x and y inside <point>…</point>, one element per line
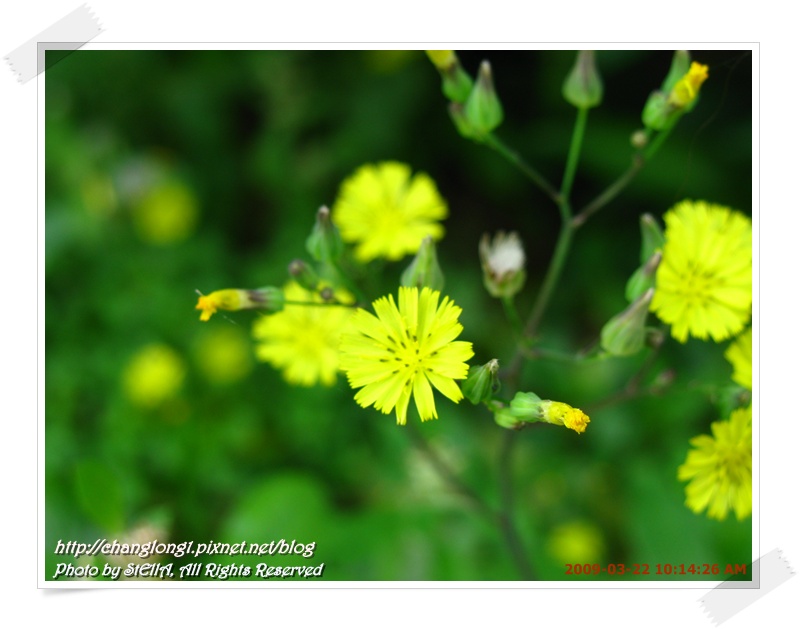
<point>576,542</point>
<point>166,214</point>
<point>303,340</point>
<point>224,354</point>
<point>154,375</point>
<point>740,356</point>
<point>386,212</point>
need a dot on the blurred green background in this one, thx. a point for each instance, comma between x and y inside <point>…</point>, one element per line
<point>169,172</point>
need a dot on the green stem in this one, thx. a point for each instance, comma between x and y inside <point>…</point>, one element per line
<point>512,315</point>
<point>545,293</point>
<point>502,519</point>
<point>574,152</point>
<point>639,160</point>
<point>531,173</point>
<point>450,476</point>
<point>609,193</point>
<point>653,147</point>
<point>290,302</point>
<point>512,537</point>
<point>550,280</point>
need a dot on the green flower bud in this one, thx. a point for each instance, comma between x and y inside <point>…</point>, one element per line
<point>652,237</point>
<point>304,275</point>
<point>624,334</point>
<point>424,269</point>
<point>324,244</point>
<point>481,382</point>
<point>459,118</point>
<point>639,139</point>
<point>526,406</point>
<point>483,109</point>
<point>503,263</point>
<point>456,83</point>
<point>583,86</point>
<point>657,111</point>
<point>504,418</point>
<point>643,279</point>
<point>679,67</point>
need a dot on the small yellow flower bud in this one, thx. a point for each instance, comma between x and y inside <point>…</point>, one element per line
<point>686,90</point>
<point>269,299</point>
<point>529,408</point>
<point>678,93</point>
<point>564,415</point>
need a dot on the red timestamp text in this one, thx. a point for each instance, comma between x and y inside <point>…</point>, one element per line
<point>659,569</point>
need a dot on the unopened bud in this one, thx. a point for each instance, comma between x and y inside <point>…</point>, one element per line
<point>456,83</point>
<point>685,92</point>
<point>324,243</point>
<point>483,109</point>
<point>677,70</point>
<point>268,298</point>
<point>504,418</point>
<point>643,279</point>
<point>528,408</point>
<point>624,334</point>
<point>583,87</point>
<point>304,274</point>
<point>424,269</point>
<point>652,237</point>
<point>678,93</point>
<point>503,264</point>
<point>327,294</point>
<point>459,118</point>
<point>639,139</point>
<point>481,382</point>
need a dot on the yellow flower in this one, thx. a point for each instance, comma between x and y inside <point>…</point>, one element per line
<point>303,340</point>
<point>720,468</point>
<point>386,212</point>
<point>224,354</point>
<point>405,350</point>
<point>576,542</point>
<point>442,59</point>
<point>740,356</point>
<point>154,375</point>
<point>167,214</point>
<point>529,407</point>
<point>268,298</point>
<point>563,414</point>
<point>704,281</point>
<point>687,88</point>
